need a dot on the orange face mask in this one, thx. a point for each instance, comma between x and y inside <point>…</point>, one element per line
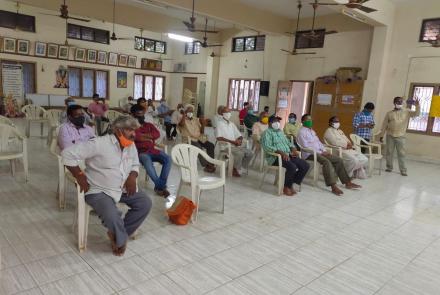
<point>124,141</point>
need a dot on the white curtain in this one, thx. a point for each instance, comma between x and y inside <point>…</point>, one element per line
<point>101,83</point>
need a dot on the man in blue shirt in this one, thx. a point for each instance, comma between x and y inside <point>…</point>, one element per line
<point>363,122</point>
<point>164,112</point>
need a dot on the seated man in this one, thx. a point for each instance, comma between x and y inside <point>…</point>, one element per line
<point>217,117</point>
<point>273,140</point>
<point>164,112</point>
<point>354,161</point>
<point>259,127</point>
<point>130,101</point>
<point>145,138</point>
<point>67,102</point>
<point>292,127</point>
<point>249,120</point>
<point>228,132</point>
<point>190,127</point>
<point>176,117</point>
<point>112,166</point>
<point>74,130</point>
<point>98,108</point>
<point>332,166</point>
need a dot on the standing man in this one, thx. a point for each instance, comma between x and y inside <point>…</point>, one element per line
<point>363,123</point>
<point>227,131</point>
<point>243,112</point>
<point>98,108</point>
<point>164,112</point>
<point>394,125</point>
<point>112,166</point>
<point>273,140</point>
<point>74,130</point>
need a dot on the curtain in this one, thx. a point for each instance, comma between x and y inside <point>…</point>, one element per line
<point>138,86</point>
<point>158,95</point>
<point>149,80</point>
<point>74,84</point>
<point>101,83</point>
<point>87,81</point>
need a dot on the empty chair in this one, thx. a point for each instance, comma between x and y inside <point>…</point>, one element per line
<point>34,114</point>
<point>185,156</point>
<point>6,120</point>
<point>10,149</point>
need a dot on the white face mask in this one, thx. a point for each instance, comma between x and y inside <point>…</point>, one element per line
<point>399,106</point>
<point>336,125</point>
<point>276,125</point>
<point>227,116</point>
<point>189,115</point>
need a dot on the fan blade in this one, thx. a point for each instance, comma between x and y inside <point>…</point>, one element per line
<point>206,31</point>
<point>290,33</point>
<point>331,32</point>
<point>319,3</point>
<point>51,14</point>
<point>189,25</point>
<point>288,51</point>
<point>80,19</point>
<point>366,9</point>
<point>125,38</point>
<point>304,53</point>
<point>214,45</point>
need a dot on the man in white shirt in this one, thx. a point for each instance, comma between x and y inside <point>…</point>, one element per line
<point>226,131</point>
<point>217,117</point>
<point>112,166</point>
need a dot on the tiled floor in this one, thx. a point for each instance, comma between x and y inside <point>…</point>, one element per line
<point>382,240</point>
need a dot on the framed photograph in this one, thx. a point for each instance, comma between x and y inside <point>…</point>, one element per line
<point>9,45</point>
<point>91,55</point>
<point>430,30</point>
<point>52,50</point>
<point>113,59</point>
<point>102,57</point>
<point>40,48</point>
<point>63,52</point>
<point>23,46</point>
<point>151,64</point>
<point>132,61</point>
<point>80,54</point>
<point>123,59</point>
<point>121,79</point>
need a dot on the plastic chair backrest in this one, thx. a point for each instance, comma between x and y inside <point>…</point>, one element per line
<point>33,111</point>
<point>6,133</point>
<point>54,116</point>
<point>54,148</point>
<point>357,141</point>
<point>6,120</point>
<point>112,115</point>
<point>185,156</point>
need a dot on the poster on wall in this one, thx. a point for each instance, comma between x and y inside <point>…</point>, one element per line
<point>62,80</point>
<point>282,99</point>
<point>435,107</point>
<point>324,99</point>
<point>347,99</point>
<point>121,78</point>
<point>12,81</point>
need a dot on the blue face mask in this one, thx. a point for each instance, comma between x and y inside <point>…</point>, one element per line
<point>292,120</point>
<point>366,112</point>
<point>70,103</point>
<point>250,112</point>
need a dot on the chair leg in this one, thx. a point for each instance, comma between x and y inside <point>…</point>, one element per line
<point>223,203</point>
<point>380,167</point>
<point>28,128</point>
<point>281,177</point>
<point>62,192</point>
<point>199,194</point>
<point>262,179</point>
<point>41,129</point>
<point>261,161</point>
<point>12,163</point>
<point>82,220</point>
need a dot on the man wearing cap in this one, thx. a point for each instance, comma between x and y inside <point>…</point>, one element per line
<point>273,140</point>
<point>193,128</point>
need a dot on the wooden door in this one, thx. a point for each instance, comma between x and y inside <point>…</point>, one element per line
<point>189,91</point>
<point>284,100</point>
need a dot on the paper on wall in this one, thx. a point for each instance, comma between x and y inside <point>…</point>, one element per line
<point>435,106</point>
<point>324,99</point>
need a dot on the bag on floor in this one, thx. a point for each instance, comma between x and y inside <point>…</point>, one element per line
<point>181,211</point>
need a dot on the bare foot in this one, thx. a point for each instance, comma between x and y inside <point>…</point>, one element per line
<point>121,250</point>
<point>336,190</point>
<point>351,185</point>
<point>112,238</point>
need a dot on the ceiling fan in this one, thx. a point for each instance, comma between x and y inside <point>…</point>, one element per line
<point>353,4</point>
<point>64,13</point>
<point>204,43</point>
<point>113,37</point>
<point>293,51</point>
<point>191,26</point>
<point>312,34</point>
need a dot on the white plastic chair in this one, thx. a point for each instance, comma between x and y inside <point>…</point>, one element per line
<point>359,143</point>
<point>315,162</point>
<point>53,116</point>
<point>225,152</point>
<point>279,170</point>
<point>10,151</point>
<point>334,147</point>
<point>112,115</point>
<point>258,152</point>
<point>185,156</point>
<point>160,146</point>
<point>34,114</point>
<point>7,121</point>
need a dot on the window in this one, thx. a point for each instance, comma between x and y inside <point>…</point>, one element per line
<point>241,91</point>
<point>250,43</point>
<point>85,82</point>
<point>430,29</point>
<point>304,40</point>
<point>424,124</point>
<point>18,21</point>
<point>192,48</point>
<point>88,34</point>
<point>150,87</point>
<point>150,45</point>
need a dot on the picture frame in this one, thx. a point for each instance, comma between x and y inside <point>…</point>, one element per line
<point>121,79</point>
<point>80,54</point>
<point>63,52</point>
<point>9,45</point>
<point>123,60</point>
<point>23,46</point>
<point>429,30</point>
<point>151,64</point>
<point>40,48</point>
<point>91,55</point>
<point>113,59</point>
<point>132,61</point>
<point>52,50</point>
<point>102,57</point>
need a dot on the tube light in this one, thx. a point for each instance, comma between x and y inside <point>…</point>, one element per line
<point>180,37</point>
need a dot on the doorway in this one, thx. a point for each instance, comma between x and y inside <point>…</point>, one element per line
<point>189,91</point>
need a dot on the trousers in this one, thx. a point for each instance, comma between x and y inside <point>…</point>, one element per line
<point>296,170</point>
<point>398,144</point>
<point>242,156</point>
<point>147,160</point>
<point>208,146</point>
<point>332,168</point>
<point>105,207</point>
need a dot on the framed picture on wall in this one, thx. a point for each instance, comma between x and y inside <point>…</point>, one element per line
<point>40,48</point>
<point>102,57</point>
<point>123,59</point>
<point>23,46</point>
<point>9,45</point>
<point>80,54</point>
<point>132,61</point>
<point>63,52</point>
<point>91,55</point>
<point>52,50</point>
<point>113,59</point>
<point>121,79</point>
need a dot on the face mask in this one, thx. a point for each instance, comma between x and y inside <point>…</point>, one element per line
<point>399,106</point>
<point>124,141</point>
<point>189,115</point>
<point>250,112</point>
<point>265,120</point>
<point>141,119</point>
<point>336,125</point>
<point>78,121</point>
<point>163,102</point>
<point>181,109</point>
<point>292,120</point>
<point>276,125</point>
<point>70,103</point>
<point>227,116</point>
<point>308,123</point>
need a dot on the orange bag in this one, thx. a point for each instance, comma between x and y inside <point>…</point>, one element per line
<point>181,211</point>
